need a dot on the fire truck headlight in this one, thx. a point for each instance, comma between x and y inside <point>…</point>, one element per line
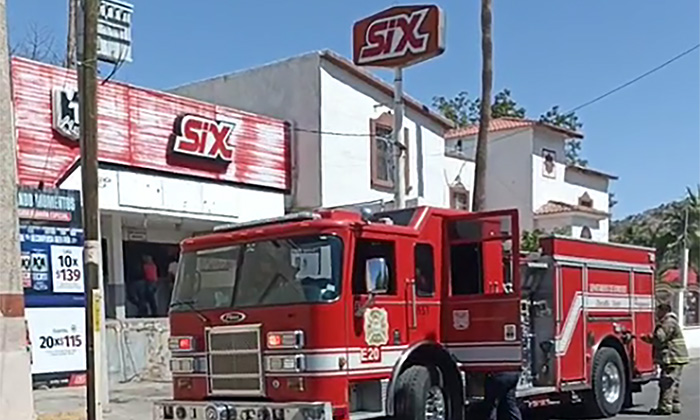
<point>286,363</point>
<point>182,365</point>
<point>214,412</point>
<point>285,339</point>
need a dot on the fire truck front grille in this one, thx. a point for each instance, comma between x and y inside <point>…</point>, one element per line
<point>235,361</point>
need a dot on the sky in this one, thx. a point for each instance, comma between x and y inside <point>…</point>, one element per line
<point>547,52</point>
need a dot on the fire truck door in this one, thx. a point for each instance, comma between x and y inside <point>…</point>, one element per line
<point>423,299</point>
<point>377,335</point>
<point>481,310</point>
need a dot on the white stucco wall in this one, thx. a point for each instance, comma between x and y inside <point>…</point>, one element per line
<point>557,188</point>
<point>462,168</point>
<point>347,105</point>
<point>508,172</point>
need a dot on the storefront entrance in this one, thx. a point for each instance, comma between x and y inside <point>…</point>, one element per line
<point>138,289</point>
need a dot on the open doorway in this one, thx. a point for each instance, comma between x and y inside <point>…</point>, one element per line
<point>148,289</point>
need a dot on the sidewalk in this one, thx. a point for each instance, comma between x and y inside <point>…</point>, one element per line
<point>132,401</point>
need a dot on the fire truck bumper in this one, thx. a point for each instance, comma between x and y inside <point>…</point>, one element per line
<point>241,410</point>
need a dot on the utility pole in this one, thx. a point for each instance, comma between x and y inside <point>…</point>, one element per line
<point>398,145</point>
<point>87,89</point>
<point>16,401</point>
<point>485,111</point>
<point>685,256</point>
<point>72,39</point>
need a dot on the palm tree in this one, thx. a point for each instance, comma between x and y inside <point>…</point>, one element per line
<point>485,109</point>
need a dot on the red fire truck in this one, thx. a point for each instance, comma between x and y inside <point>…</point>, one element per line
<point>342,315</point>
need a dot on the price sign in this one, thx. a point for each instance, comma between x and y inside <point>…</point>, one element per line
<point>67,269</point>
<point>57,338</point>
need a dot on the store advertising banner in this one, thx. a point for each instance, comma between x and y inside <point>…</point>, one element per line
<point>52,259</point>
<point>51,241</point>
<point>57,339</point>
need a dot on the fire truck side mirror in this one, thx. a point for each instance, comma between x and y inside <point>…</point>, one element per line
<point>376,276</point>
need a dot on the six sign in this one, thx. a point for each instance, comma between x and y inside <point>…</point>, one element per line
<point>399,36</point>
<point>204,138</point>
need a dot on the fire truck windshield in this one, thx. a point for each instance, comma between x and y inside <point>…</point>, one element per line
<point>274,272</point>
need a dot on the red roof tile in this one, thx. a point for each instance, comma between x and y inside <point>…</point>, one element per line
<point>558,207</point>
<point>674,276</point>
<point>504,124</point>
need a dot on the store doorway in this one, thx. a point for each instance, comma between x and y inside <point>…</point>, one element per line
<point>139,286</point>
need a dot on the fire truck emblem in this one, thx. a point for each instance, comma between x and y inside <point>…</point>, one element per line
<point>376,327</point>
<point>460,319</point>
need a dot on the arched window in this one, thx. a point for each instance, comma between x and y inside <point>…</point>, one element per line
<point>586,233</point>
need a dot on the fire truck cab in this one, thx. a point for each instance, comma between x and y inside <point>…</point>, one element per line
<point>341,315</point>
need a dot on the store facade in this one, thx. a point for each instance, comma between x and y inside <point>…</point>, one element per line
<point>169,167</point>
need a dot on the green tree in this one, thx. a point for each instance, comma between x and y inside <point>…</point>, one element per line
<point>571,122</point>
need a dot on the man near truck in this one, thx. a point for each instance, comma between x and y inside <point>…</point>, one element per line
<point>671,354</point>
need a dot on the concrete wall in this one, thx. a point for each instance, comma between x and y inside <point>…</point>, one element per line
<point>287,89</point>
<point>137,350</point>
<point>347,105</point>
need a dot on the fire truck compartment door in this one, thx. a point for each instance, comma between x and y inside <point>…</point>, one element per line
<point>481,312</point>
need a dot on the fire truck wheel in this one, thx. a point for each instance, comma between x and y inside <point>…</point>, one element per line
<point>609,383</point>
<point>419,395</point>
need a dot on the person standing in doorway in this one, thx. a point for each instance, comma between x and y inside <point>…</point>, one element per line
<point>172,273</point>
<point>671,354</point>
<point>150,275</point>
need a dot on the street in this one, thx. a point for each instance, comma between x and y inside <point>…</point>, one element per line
<point>133,401</point>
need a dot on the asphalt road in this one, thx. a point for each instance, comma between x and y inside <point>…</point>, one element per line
<point>646,400</point>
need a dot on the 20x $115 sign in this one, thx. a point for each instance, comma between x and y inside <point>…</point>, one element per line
<point>399,36</point>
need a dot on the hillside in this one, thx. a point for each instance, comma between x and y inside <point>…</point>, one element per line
<point>662,228</point>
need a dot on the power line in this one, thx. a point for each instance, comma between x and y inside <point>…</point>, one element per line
<point>636,79</point>
<point>583,105</point>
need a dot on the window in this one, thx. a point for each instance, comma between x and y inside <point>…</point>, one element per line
<point>692,308</point>
<point>586,233</point>
<point>383,153</point>
<point>549,164</point>
<point>481,257</point>
<point>459,197</point>
<point>367,249</point>
<point>585,200</point>
<point>425,270</point>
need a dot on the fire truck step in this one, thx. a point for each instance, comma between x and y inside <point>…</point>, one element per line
<point>535,390</point>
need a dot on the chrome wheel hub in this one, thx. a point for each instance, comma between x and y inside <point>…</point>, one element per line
<point>435,404</point>
<point>612,383</point>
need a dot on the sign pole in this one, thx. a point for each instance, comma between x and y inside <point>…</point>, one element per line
<point>397,143</point>
<point>87,89</point>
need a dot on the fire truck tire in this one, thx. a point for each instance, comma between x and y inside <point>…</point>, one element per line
<point>609,384</point>
<point>420,396</point>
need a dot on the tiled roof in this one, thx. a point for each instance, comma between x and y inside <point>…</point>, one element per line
<point>558,207</point>
<point>674,276</point>
<point>504,124</point>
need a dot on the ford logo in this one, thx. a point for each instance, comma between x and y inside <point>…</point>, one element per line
<point>232,317</point>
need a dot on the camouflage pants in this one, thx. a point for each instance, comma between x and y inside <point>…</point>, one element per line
<point>669,388</point>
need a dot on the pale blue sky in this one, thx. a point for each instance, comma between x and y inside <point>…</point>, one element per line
<point>547,52</point>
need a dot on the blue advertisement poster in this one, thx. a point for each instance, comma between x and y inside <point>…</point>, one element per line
<point>51,240</point>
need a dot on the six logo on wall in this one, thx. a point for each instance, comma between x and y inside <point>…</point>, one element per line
<point>203,138</point>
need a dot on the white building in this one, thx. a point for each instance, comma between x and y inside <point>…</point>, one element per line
<point>527,170</point>
<point>339,114</point>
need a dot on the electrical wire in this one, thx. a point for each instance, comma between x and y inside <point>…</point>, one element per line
<point>576,108</point>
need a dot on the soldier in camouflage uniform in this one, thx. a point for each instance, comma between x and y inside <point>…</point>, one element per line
<point>671,354</point>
